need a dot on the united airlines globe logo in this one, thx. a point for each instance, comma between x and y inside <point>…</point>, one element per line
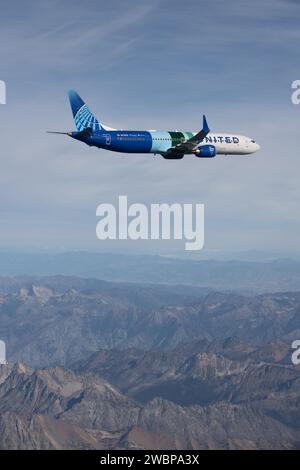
<point>84,118</point>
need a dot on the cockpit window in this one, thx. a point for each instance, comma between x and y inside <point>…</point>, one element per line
<point>253,141</point>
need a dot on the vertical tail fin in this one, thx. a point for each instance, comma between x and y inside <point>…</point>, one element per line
<point>82,115</point>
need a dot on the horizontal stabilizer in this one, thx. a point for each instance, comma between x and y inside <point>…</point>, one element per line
<point>57,132</point>
<point>80,135</point>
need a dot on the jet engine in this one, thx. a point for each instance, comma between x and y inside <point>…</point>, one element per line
<point>205,151</point>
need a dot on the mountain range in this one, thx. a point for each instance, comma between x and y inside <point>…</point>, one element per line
<point>126,366</point>
<point>58,408</point>
<point>60,320</point>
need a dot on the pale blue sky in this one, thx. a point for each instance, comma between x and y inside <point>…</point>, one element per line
<point>151,66</point>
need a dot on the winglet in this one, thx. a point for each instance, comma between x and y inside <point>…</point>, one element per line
<point>205,125</point>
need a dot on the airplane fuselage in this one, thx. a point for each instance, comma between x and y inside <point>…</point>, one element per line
<point>159,142</point>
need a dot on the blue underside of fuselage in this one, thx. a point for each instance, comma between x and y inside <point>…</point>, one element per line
<point>119,141</point>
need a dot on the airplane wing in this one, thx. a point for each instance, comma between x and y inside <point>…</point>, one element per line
<point>189,145</point>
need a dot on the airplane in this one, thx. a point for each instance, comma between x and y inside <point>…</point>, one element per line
<point>171,145</point>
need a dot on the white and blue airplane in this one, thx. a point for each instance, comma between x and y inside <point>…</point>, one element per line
<point>169,144</point>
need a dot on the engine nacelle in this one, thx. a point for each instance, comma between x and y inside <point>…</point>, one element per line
<point>205,151</point>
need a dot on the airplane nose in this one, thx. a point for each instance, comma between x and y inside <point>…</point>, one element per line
<point>257,146</point>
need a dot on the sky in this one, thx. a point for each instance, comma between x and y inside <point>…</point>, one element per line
<point>154,65</point>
